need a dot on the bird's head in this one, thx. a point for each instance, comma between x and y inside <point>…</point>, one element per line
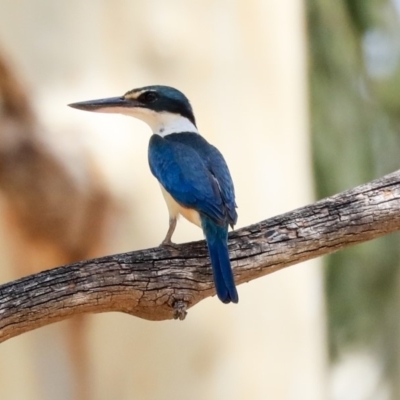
<point>165,109</point>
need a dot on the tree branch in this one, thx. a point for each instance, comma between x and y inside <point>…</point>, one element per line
<point>161,283</point>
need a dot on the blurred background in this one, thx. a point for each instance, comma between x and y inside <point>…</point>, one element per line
<point>302,99</point>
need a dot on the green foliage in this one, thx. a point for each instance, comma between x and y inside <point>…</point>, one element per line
<point>355,113</point>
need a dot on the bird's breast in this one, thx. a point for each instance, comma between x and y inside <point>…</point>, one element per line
<point>175,209</point>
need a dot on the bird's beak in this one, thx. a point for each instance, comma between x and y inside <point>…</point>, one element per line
<point>109,105</point>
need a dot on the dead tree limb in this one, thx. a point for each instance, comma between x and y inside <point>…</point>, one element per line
<point>161,283</point>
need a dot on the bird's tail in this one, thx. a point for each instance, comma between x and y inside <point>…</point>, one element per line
<point>217,242</point>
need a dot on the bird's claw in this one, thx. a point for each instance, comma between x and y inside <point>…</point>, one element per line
<point>168,243</point>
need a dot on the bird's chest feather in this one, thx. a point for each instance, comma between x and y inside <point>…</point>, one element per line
<point>176,209</point>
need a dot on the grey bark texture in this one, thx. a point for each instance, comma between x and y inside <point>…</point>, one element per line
<point>162,283</point>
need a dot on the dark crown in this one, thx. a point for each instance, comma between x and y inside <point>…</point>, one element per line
<point>162,98</point>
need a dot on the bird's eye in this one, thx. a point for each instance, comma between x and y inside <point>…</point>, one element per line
<point>148,97</point>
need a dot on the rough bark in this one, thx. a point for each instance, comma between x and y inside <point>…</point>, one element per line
<point>162,283</point>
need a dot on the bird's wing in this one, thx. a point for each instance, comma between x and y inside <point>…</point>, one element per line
<point>216,164</point>
<point>219,169</point>
<point>184,175</point>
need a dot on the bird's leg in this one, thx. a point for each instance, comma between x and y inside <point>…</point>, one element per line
<point>167,240</point>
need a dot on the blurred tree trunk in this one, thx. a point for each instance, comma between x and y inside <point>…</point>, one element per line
<point>50,217</point>
<point>355,75</point>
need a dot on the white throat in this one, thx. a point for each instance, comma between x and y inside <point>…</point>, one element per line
<point>164,124</point>
<point>161,123</point>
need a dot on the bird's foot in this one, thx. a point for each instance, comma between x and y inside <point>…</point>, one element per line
<point>168,243</point>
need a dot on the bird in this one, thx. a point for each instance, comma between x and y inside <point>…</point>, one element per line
<point>193,174</point>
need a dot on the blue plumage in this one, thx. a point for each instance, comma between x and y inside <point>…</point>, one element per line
<point>195,174</point>
<point>217,242</point>
<point>216,165</point>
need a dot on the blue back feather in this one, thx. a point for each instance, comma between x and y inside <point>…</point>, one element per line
<point>215,163</point>
<point>195,174</point>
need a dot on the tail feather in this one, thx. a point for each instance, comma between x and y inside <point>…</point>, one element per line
<point>217,241</point>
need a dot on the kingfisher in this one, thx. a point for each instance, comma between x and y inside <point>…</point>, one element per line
<point>194,177</point>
